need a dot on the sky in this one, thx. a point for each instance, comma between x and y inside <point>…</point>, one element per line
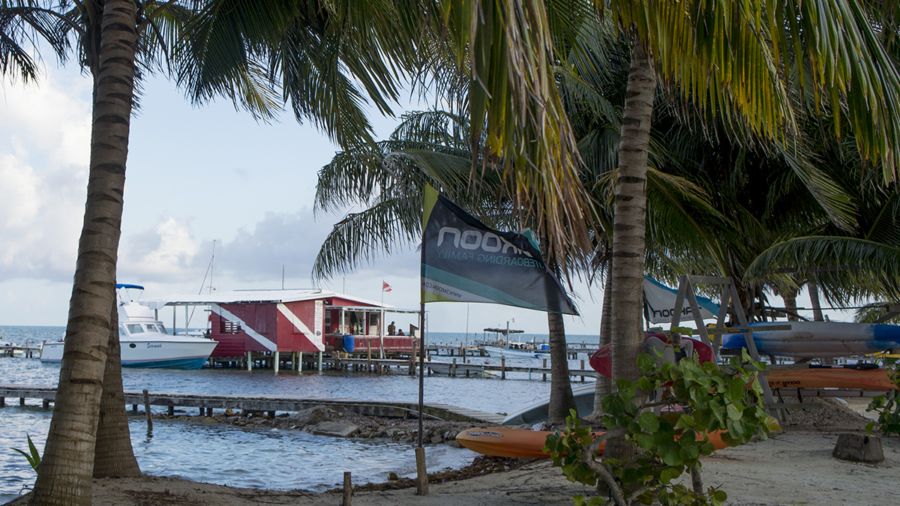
<point>194,175</point>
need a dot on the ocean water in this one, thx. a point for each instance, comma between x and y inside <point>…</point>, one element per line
<point>243,457</point>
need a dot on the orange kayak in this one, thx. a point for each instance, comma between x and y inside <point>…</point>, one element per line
<point>833,377</point>
<point>528,444</point>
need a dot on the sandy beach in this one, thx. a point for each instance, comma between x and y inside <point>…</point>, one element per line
<point>794,467</point>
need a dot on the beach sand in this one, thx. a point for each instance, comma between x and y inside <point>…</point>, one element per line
<point>794,467</point>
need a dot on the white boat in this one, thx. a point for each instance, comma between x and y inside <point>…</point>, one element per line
<point>538,410</point>
<point>518,350</point>
<point>818,339</point>
<point>145,342</point>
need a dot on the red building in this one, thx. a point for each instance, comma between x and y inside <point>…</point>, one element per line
<point>290,321</point>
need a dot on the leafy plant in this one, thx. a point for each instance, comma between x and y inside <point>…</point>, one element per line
<point>887,405</point>
<point>697,400</point>
<point>34,458</point>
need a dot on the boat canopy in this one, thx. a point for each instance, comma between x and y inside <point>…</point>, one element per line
<point>123,285</point>
<point>254,296</point>
<point>504,331</point>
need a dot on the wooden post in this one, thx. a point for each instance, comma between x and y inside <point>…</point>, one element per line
<point>209,411</point>
<point>320,360</point>
<point>582,368</point>
<point>46,404</point>
<point>276,362</point>
<point>502,367</point>
<point>368,356</point>
<point>147,411</point>
<point>300,361</point>
<point>171,410</point>
<point>421,472</point>
<point>249,360</point>
<point>545,368</point>
<point>453,368</point>
<point>348,489</point>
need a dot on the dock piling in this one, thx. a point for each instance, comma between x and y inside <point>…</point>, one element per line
<point>147,411</point>
<point>421,472</point>
<point>348,489</point>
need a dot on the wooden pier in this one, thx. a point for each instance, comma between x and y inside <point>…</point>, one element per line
<point>26,351</point>
<point>270,404</point>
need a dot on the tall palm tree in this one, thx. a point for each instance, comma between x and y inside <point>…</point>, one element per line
<point>737,57</point>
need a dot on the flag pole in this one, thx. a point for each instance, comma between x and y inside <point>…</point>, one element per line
<point>421,469</point>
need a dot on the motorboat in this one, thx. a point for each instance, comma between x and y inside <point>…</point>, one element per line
<point>518,349</point>
<point>145,341</point>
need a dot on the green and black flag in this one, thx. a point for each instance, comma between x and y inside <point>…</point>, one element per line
<point>465,261</point>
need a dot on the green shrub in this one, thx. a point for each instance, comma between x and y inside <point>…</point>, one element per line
<point>887,405</point>
<point>700,399</point>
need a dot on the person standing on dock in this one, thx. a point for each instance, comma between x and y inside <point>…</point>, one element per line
<point>392,329</point>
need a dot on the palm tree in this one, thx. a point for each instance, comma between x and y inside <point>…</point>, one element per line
<point>726,58</point>
<point>426,148</point>
<point>238,49</point>
<point>89,413</point>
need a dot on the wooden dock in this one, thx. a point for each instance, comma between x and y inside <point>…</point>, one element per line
<point>264,403</point>
<point>26,351</point>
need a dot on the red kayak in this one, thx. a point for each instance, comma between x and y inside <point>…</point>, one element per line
<point>528,444</point>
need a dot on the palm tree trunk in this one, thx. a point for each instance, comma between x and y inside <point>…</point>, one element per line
<point>629,227</point>
<point>604,384</point>
<point>113,455</point>
<point>814,301</point>
<point>790,305</point>
<point>561,399</point>
<point>66,469</point>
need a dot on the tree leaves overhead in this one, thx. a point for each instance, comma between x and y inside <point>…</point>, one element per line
<point>846,269</point>
<point>741,55</point>
<point>514,104</point>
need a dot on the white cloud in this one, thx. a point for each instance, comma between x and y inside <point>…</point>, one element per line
<point>167,252</point>
<point>44,148</point>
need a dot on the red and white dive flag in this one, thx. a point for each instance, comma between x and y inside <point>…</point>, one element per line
<point>385,287</point>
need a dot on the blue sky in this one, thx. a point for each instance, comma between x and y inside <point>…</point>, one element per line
<point>195,175</point>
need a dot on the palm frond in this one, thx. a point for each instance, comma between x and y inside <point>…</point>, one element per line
<point>846,269</point>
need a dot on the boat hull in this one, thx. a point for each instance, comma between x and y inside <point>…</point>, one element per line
<point>819,339</point>
<point>496,352</point>
<point>171,353</point>
<point>527,444</point>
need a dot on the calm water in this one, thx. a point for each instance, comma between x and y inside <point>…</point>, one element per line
<point>243,457</point>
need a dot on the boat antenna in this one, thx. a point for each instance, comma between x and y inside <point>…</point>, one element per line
<point>212,268</point>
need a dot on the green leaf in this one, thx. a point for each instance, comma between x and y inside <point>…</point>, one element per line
<point>645,384</point>
<point>670,473</point>
<point>648,421</point>
<point>733,412</point>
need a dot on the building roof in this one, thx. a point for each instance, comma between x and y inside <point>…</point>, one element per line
<point>238,296</point>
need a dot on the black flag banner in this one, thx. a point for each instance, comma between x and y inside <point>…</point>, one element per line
<point>465,261</point>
